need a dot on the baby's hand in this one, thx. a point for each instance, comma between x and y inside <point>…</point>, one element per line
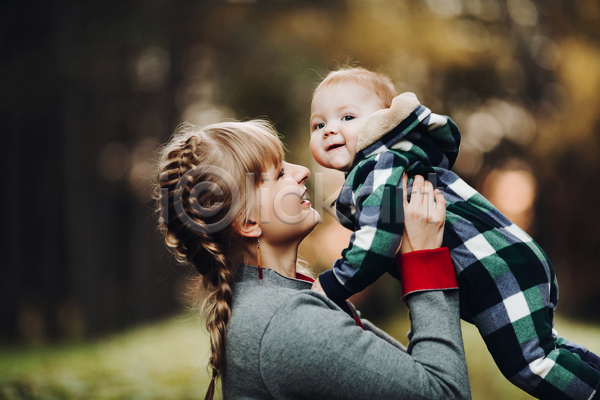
<point>317,287</point>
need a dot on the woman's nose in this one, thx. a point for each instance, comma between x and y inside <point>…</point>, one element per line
<point>300,173</point>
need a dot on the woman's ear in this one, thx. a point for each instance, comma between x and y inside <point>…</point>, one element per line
<point>247,228</point>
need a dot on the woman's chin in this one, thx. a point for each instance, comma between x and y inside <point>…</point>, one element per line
<point>295,229</point>
<point>315,219</point>
<point>310,222</point>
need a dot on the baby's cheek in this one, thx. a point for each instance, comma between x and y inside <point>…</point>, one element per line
<point>313,147</point>
<point>317,151</point>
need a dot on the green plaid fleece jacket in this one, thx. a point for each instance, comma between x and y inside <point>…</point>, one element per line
<point>507,286</point>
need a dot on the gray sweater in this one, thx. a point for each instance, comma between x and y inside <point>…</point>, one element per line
<point>285,341</point>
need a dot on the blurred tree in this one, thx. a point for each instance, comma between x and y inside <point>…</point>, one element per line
<point>85,86</point>
<point>90,89</point>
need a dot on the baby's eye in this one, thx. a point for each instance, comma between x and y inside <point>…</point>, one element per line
<point>320,125</point>
<point>348,118</point>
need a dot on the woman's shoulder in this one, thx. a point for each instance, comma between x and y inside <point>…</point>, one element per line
<point>256,300</point>
<point>283,315</point>
<point>264,324</point>
<point>259,301</point>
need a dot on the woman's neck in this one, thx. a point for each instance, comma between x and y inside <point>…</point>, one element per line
<point>279,258</point>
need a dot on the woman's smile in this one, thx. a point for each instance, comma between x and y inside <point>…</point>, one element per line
<point>305,202</point>
<point>286,212</point>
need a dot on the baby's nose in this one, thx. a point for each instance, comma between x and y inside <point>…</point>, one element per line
<point>330,130</point>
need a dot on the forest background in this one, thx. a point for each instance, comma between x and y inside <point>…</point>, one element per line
<point>88,90</point>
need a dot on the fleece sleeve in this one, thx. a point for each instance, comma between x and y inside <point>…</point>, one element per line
<point>426,270</point>
<point>378,228</point>
<point>311,349</point>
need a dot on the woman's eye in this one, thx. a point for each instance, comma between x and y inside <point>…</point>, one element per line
<point>348,118</point>
<point>281,173</point>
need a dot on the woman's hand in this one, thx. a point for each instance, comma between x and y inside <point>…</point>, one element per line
<point>423,222</point>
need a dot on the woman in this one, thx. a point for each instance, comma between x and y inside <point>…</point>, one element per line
<point>232,208</point>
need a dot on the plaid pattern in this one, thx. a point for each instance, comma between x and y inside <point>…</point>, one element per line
<point>507,285</point>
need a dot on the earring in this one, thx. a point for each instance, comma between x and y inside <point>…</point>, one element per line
<point>259,259</point>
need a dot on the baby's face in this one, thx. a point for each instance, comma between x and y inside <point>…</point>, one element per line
<point>337,114</point>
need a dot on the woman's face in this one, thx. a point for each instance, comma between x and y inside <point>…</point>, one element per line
<point>285,216</point>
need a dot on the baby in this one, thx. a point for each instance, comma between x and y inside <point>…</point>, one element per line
<point>507,285</point>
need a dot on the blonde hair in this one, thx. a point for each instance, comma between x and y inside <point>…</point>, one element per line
<point>202,181</point>
<point>378,83</point>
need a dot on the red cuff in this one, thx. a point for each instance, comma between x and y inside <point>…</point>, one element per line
<point>426,270</point>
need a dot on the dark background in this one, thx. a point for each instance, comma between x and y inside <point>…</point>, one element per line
<point>88,90</point>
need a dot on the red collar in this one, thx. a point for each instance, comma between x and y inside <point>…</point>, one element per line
<point>304,278</point>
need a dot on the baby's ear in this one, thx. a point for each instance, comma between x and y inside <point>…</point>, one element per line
<point>247,228</point>
<point>386,119</point>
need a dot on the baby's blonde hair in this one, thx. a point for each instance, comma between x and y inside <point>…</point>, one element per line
<point>378,83</point>
<point>198,171</point>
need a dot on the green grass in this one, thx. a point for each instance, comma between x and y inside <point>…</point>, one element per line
<point>167,360</point>
<point>485,376</point>
<point>486,380</point>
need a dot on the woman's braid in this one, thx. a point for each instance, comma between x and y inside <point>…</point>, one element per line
<point>198,248</point>
<point>186,168</point>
